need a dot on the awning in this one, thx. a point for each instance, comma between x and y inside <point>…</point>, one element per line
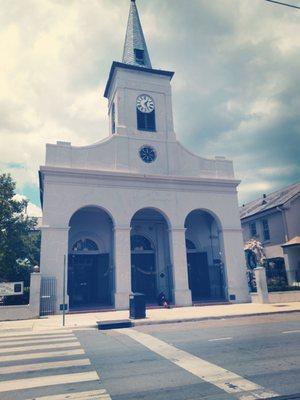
<point>293,242</point>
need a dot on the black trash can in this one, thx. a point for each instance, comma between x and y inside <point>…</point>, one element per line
<point>137,306</point>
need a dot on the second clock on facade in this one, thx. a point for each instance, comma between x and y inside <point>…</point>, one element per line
<point>147,154</point>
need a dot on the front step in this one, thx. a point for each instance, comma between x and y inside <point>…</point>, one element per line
<point>105,325</point>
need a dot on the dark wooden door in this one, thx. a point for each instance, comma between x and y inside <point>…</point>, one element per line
<point>198,275</point>
<point>143,276</point>
<point>102,279</point>
<point>88,281</point>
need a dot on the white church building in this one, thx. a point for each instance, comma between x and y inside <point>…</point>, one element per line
<point>136,211</point>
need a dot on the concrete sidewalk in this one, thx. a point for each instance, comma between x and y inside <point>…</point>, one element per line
<point>154,316</point>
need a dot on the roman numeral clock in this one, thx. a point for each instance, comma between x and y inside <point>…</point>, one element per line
<point>146,122</point>
<point>145,104</point>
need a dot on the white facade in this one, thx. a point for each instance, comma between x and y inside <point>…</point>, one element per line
<point>106,193</point>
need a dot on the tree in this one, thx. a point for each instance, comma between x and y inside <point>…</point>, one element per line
<point>19,242</point>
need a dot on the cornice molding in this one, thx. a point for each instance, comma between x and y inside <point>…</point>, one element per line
<point>54,228</point>
<point>126,176</point>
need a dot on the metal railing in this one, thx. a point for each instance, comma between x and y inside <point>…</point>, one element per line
<point>48,296</point>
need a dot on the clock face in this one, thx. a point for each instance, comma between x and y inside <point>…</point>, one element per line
<point>145,104</point>
<point>148,154</point>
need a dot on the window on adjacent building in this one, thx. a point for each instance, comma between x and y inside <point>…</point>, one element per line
<point>139,56</point>
<point>266,231</point>
<point>253,231</point>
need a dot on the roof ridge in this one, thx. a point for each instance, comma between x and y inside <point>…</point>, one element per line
<point>271,200</point>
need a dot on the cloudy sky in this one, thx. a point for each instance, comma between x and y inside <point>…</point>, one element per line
<point>236,89</point>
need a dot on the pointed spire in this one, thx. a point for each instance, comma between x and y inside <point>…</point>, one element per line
<point>135,48</point>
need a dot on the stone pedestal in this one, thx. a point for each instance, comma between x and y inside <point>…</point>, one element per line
<point>181,291</point>
<point>261,284</point>
<point>235,265</point>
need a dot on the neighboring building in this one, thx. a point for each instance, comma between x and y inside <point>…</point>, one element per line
<point>137,211</point>
<point>274,220</point>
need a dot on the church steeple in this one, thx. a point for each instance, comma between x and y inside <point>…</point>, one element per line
<point>135,48</point>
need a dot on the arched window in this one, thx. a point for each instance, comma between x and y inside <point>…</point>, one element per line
<point>146,122</point>
<point>190,245</point>
<point>85,245</point>
<point>140,243</point>
<point>145,113</point>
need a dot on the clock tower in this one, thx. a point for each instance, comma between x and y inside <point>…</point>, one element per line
<point>139,96</point>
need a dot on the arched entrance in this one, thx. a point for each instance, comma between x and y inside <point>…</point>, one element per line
<point>205,266</point>
<point>90,276</point>
<point>143,267</point>
<point>150,255</point>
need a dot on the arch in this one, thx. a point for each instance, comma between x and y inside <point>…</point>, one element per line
<point>82,235</point>
<point>156,210</point>
<point>190,245</point>
<point>90,271</point>
<point>150,254</point>
<point>206,270</point>
<point>85,245</point>
<point>208,211</point>
<point>140,243</point>
<point>95,207</point>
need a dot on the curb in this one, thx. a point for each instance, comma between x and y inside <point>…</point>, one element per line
<point>137,323</point>
<point>195,319</point>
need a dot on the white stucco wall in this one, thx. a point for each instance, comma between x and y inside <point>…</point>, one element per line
<point>111,175</point>
<point>66,191</point>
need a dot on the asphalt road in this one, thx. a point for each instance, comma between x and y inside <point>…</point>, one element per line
<point>264,350</point>
<point>239,358</point>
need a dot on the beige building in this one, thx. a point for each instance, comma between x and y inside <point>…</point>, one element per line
<point>274,220</point>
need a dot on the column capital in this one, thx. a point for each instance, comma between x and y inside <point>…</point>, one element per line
<point>122,228</point>
<point>177,229</point>
<point>55,228</point>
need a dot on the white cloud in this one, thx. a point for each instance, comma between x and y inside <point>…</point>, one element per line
<point>32,209</point>
<point>235,89</point>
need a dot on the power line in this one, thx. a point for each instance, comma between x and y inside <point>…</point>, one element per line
<point>283,4</point>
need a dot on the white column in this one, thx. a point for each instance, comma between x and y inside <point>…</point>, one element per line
<point>235,265</point>
<point>122,267</point>
<point>261,285</point>
<point>54,246</point>
<point>181,291</point>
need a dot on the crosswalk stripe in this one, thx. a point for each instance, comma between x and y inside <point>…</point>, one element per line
<point>71,343</point>
<point>30,383</point>
<point>90,395</point>
<point>34,337</point>
<point>209,372</point>
<point>45,354</point>
<point>35,333</point>
<point>37,341</point>
<point>44,366</point>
